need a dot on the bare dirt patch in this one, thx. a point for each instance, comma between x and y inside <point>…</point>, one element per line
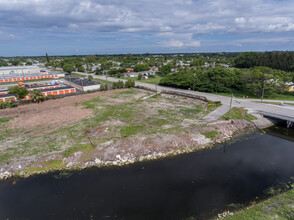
<point>53,113</point>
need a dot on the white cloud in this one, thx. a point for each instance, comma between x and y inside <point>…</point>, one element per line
<point>179,43</point>
<point>193,44</point>
<point>240,20</point>
<point>173,43</point>
<point>6,36</point>
<point>266,40</point>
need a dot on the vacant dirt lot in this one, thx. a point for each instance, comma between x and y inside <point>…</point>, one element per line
<point>51,114</point>
<point>124,128</point>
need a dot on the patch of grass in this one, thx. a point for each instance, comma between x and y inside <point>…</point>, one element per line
<point>5,119</point>
<point>191,111</point>
<point>210,134</point>
<point>213,105</point>
<point>84,148</point>
<point>4,157</point>
<point>92,103</point>
<point>130,130</point>
<point>238,113</point>
<point>156,121</point>
<point>277,207</point>
<point>158,95</point>
<point>129,92</point>
<point>167,114</point>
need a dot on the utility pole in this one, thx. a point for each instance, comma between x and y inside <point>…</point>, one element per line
<point>230,106</point>
<point>262,94</point>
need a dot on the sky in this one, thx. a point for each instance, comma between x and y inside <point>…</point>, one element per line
<point>80,27</point>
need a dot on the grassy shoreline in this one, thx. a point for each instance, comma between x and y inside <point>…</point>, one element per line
<point>279,206</point>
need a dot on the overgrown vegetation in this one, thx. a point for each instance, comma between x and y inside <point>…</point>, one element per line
<point>238,113</point>
<point>256,82</point>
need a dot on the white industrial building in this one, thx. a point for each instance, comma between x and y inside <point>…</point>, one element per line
<point>6,70</point>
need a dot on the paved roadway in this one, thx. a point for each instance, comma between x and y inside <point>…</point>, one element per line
<point>283,112</point>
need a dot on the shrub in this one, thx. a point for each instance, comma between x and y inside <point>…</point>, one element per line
<point>118,85</point>
<point>48,97</point>
<point>103,87</point>
<point>9,104</point>
<point>130,83</point>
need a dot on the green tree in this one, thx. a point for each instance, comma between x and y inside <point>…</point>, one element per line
<point>130,83</point>
<point>36,95</point>
<point>164,70</point>
<point>68,68</point>
<point>140,76</point>
<point>141,67</point>
<point>118,85</point>
<point>98,71</point>
<point>3,63</point>
<point>260,78</point>
<point>48,64</point>
<point>91,59</point>
<point>197,62</point>
<point>19,92</point>
<point>15,62</point>
<point>103,87</point>
<point>90,77</point>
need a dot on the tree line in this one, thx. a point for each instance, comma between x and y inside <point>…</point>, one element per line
<point>223,80</point>
<point>275,60</point>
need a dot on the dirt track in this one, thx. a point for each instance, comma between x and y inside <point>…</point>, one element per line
<point>51,114</point>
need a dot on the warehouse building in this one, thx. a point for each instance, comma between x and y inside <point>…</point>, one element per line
<point>16,78</point>
<point>7,70</point>
<point>83,84</point>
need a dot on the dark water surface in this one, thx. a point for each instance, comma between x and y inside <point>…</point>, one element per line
<point>199,184</point>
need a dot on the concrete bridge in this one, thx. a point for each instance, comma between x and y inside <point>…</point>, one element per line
<point>253,105</point>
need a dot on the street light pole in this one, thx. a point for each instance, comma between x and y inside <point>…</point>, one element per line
<point>194,82</point>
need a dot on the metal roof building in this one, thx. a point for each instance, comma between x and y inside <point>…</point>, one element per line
<point>6,70</point>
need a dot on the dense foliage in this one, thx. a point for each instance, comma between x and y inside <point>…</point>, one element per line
<point>19,92</point>
<point>36,95</point>
<point>69,68</point>
<point>164,70</point>
<point>275,60</point>
<point>217,80</point>
<point>141,67</point>
<point>117,72</point>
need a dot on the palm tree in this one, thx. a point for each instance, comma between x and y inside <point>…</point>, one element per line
<point>36,95</point>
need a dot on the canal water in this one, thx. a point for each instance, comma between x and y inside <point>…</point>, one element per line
<point>191,186</point>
